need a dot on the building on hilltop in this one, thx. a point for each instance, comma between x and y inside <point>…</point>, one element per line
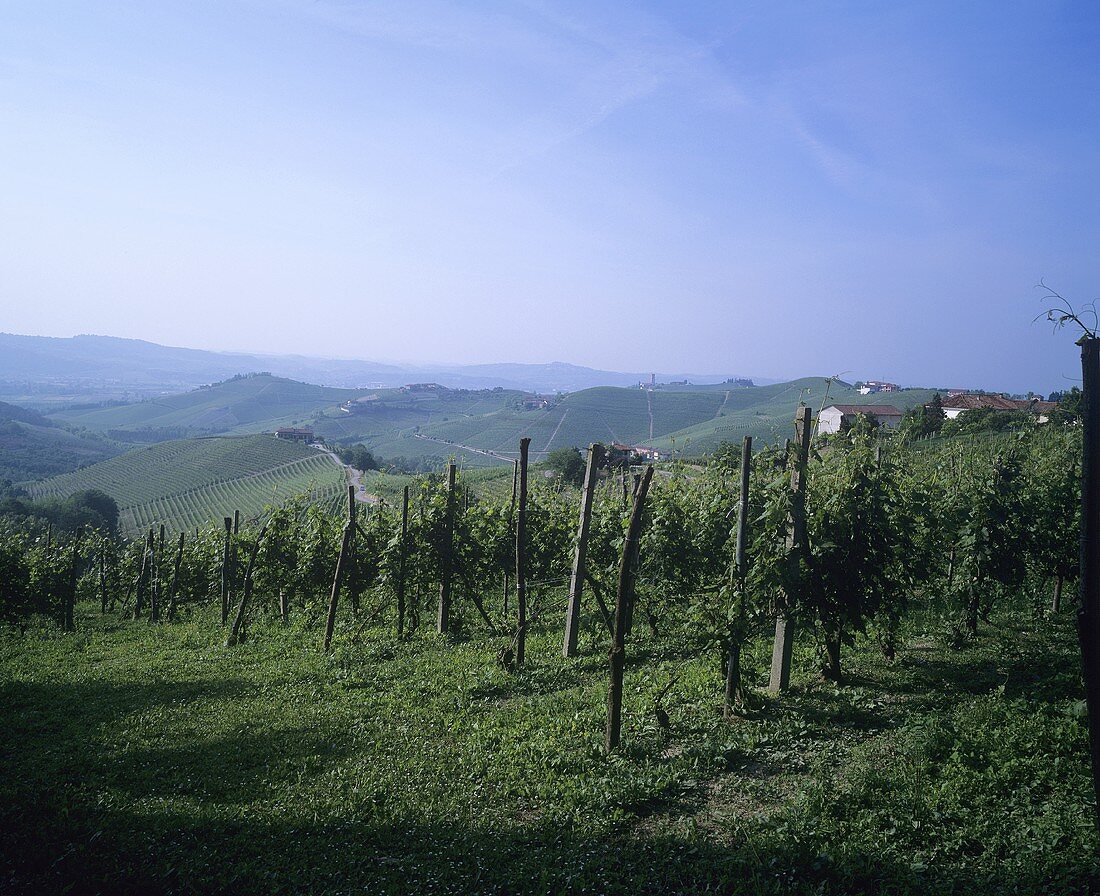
<point>871,386</point>
<point>295,434</point>
<point>837,416</point>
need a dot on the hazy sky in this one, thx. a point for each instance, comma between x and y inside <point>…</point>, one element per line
<point>763,188</point>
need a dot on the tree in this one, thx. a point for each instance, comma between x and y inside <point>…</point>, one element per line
<point>568,464</point>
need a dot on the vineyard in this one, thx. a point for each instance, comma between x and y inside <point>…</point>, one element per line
<point>846,666</point>
<point>191,483</point>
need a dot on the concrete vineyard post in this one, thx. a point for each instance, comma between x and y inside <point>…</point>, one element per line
<point>780,677</point>
<point>521,554</point>
<point>576,578</point>
<point>446,560</point>
<point>628,573</point>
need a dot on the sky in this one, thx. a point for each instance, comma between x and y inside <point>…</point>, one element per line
<point>773,189</point>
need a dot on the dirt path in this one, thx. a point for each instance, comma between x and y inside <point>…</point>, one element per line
<point>355,478</point>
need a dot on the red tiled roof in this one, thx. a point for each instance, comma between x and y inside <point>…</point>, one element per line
<point>973,402</point>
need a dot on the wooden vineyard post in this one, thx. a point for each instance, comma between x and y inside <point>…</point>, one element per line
<point>226,560</point>
<point>102,578</point>
<point>628,572</point>
<point>511,519</point>
<point>521,554</point>
<point>1088,617</point>
<point>734,691</point>
<point>330,622</point>
<point>236,634</point>
<point>780,678</point>
<point>236,522</point>
<point>158,560</point>
<point>146,560</point>
<point>69,613</point>
<point>446,560</point>
<point>402,548</point>
<point>352,582</point>
<point>175,580</point>
<point>576,578</point>
<point>284,606</point>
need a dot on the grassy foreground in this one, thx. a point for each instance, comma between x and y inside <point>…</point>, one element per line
<point>140,759</point>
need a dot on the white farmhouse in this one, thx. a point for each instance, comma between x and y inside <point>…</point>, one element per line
<point>836,415</point>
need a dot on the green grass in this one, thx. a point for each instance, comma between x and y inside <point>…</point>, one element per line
<point>142,758</point>
<point>192,482</point>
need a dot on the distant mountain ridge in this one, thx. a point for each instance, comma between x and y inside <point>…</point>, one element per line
<point>48,368</point>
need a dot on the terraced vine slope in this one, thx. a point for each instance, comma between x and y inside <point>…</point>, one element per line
<point>191,482</point>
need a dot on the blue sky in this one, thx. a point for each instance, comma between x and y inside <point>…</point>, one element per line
<point>762,188</point>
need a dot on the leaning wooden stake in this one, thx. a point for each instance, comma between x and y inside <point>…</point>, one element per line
<point>226,570</point>
<point>576,579</point>
<point>337,579</point>
<point>399,585</point>
<point>739,570</point>
<point>628,573</point>
<point>780,678</point>
<point>236,634</point>
<point>446,560</point>
<point>102,578</point>
<point>1088,617</point>
<point>521,554</point>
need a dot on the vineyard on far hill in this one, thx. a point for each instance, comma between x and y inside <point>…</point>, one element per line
<point>193,482</point>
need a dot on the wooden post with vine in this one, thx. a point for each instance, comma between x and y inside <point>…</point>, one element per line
<point>780,677</point>
<point>576,578</point>
<point>402,548</point>
<point>738,571</point>
<point>446,560</point>
<point>155,591</point>
<point>237,632</point>
<point>352,522</point>
<point>511,522</point>
<point>628,572</point>
<point>175,580</point>
<point>521,553</point>
<point>1088,617</point>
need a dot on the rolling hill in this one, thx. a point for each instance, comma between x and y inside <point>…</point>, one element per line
<point>193,482</point>
<point>243,404</point>
<point>34,447</point>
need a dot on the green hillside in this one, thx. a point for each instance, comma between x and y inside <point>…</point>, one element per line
<point>245,404</point>
<point>682,420</point>
<point>192,482</point>
<point>34,447</point>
